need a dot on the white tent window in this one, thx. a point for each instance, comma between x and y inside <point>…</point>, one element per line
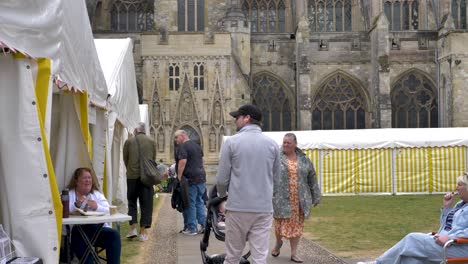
<point>339,104</point>
<point>132,15</point>
<point>414,102</point>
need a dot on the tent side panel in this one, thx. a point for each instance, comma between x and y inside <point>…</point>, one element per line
<point>27,210</point>
<point>447,164</point>
<point>314,156</point>
<point>374,170</point>
<point>338,171</point>
<point>412,174</point>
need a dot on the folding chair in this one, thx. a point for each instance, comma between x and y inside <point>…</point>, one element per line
<point>454,260</point>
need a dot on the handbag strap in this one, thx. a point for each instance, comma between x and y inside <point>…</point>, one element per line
<point>140,153</point>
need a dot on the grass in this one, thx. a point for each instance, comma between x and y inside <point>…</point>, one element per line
<point>131,247</point>
<point>366,226</point>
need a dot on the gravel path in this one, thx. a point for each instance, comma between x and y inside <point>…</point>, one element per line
<point>162,246</point>
<point>167,246</point>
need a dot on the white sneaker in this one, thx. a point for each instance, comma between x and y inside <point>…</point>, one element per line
<point>133,233</point>
<point>143,237</point>
<point>367,262</point>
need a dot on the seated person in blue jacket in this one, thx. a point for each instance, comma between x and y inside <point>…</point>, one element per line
<point>426,248</point>
<point>84,194</point>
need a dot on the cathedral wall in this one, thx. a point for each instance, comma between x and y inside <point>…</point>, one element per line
<point>458,71</point>
<point>215,10</point>
<point>166,13</point>
<point>207,110</point>
<point>277,60</point>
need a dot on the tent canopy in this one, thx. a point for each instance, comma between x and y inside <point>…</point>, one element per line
<point>116,58</point>
<point>377,138</point>
<point>58,30</point>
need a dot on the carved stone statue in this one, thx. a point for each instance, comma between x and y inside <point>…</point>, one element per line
<point>186,111</point>
<point>156,114</point>
<point>161,140</point>
<point>217,114</point>
<point>212,140</point>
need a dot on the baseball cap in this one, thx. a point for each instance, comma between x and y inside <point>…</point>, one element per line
<point>248,109</point>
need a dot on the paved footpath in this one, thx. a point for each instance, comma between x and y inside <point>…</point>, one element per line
<point>167,246</point>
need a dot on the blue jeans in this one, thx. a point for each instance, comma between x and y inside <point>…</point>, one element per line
<point>196,212</point>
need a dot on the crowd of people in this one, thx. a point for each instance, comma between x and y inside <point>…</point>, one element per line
<point>266,187</point>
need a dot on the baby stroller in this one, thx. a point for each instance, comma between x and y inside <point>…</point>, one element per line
<point>212,220</point>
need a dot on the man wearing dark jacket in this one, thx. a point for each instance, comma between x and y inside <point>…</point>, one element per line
<point>136,190</point>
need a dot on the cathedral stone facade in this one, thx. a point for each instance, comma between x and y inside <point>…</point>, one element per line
<point>308,64</point>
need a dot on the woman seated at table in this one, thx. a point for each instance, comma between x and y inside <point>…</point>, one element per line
<point>84,194</point>
<point>425,248</point>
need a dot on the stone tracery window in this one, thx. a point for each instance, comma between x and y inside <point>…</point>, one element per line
<point>459,13</point>
<point>132,15</point>
<point>402,14</point>
<point>265,15</point>
<point>190,15</point>
<point>198,76</point>
<point>414,102</point>
<point>339,104</point>
<point>174,77</point>
<point>269,95</point>
<point>329,15</point>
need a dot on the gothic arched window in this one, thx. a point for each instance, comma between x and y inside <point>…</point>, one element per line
<point>339,104</point>
<point>414,102</point>
<point>269,95</point>
<point>132,15</point>
<point>329,15</point>
<point>402,14</point>
<point>191,15</point>
<point>192,134</point>
<point>265,15</point>
<point>174,77</point>
<point>198,76</point>
<point>459,13</point>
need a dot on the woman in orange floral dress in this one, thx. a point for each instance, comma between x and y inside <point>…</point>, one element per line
<point>294,194</point>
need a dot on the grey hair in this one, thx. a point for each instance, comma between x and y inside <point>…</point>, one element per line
<point>141,127</point>
<point>181,132</point>
<point>291,136</point>
<point>463,179</point>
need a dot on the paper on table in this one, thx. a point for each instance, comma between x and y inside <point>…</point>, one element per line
<point>90,213</point>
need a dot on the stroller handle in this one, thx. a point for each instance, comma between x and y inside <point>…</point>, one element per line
<point>216,201</point>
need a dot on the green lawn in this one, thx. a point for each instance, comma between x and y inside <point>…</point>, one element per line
<point>365,226</point>
<point>131,247</point>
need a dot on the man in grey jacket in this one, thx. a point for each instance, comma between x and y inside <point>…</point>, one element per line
<point>248,164</point>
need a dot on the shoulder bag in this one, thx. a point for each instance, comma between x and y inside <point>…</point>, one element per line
<point>149,173</point>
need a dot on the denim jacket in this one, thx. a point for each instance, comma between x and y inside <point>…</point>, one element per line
<point>459,222</point>
<point>309,191</point>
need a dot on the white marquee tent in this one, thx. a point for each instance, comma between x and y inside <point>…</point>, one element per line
<point>116,58</point>
<point>49,47</point>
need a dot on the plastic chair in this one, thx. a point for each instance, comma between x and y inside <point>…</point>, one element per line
<point>454,260</point>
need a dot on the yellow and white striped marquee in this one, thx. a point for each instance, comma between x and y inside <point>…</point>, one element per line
<point>385,161</point>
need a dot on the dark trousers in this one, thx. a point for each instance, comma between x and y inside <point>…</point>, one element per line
<point>108,238</point>
<point>137,191</point>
